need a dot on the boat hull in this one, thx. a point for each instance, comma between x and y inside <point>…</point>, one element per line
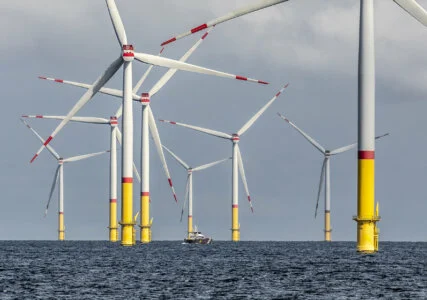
<point>203,241</point>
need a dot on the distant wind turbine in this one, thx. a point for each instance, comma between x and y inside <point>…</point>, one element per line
<point>59,176</point>
<point>325,173</point>
<point>189,186</point>
<point>237,162</point>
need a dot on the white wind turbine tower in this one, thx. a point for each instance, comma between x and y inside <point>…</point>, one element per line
<point>115,135</point>
<point>237,162</point>
<point>189,186</point>
<point>148,123</point>
<point>125,59</point>
<point>59,176</point>
<point>367,217</point>
<point>325,174</point>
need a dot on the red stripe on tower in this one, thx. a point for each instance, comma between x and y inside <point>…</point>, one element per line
<point>235,206</point>
<point>366,154</point>
<point>127,180</point>
<point>145,194</point>
<point>198,28</point>
<point>113,200</point>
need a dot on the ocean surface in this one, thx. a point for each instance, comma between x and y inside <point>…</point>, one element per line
<point>222,270</point>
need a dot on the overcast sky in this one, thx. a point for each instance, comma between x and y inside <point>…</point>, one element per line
<point>311,44</point>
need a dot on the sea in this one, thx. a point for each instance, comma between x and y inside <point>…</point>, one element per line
<point>221,270</point>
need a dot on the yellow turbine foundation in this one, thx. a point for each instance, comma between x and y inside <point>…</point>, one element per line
<point>190,225</point>
<point>235,229</point>
<point>127,217</point>
<point>114,233</point>
<point>145,218</point>
<point>327,226</point>
<point>61,230</point>
<point>366,219</point>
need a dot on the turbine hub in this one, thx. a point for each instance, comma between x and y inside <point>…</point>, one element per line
<point>145,98</point>
<point>235,137</point>
<point>127,53</point>
<point>113,121</point>
<point>60,161</point>
<point>189,171</point>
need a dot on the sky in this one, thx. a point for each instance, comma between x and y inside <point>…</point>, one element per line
<point>310,44</point>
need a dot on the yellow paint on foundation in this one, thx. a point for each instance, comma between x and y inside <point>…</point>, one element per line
<point>366,220</point>
<point>61,230</point>
<point>190,225</point>
<point>235,230</point>
<point>127,217</point>
<point>114,233</point>
<point>327,226</point>
<point>145,220</point>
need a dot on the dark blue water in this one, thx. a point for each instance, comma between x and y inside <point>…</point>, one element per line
<point>223,270</point>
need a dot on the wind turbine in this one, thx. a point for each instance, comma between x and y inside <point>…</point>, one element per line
<point>325,174</point>
<point>148,123</point>
<point>126,58</point>
<point>367,232</point>
<point>237,162</point>
<point>59,176</point>
<point>115,134</point>
<point>189,185</point>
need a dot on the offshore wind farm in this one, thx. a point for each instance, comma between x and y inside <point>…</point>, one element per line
<point>345,72</point>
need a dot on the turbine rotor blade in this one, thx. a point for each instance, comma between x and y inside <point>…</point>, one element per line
<point>343,149</point>
<point>156,138</point>
<point>322,175</point>
<point>414,9</point>
<point>234,14</point>
<point>311,140</point>
<point>111,70</point>
<point>175,64</point>
<point>81,157</point>
<point>346,148</point>
<point>117,22</point>
<point>186,196</point>
<point>199,168</point>
<point>55,180</point>
<point>181,162</point>
<point>168,75</point>
<point>92,120</point>
<point>243,176</point>
<point>103,90</point>
<point>49,147</point>
<point>259,113</point>
<point>204,130</point>
<point>141,81</point>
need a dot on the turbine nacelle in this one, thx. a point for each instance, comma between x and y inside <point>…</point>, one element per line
<point>189,171</point>
<point>128,53</point>
<point>145,98</point>
<point>113,121</point>
<point>235,138</point>
<point>61,160</point>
